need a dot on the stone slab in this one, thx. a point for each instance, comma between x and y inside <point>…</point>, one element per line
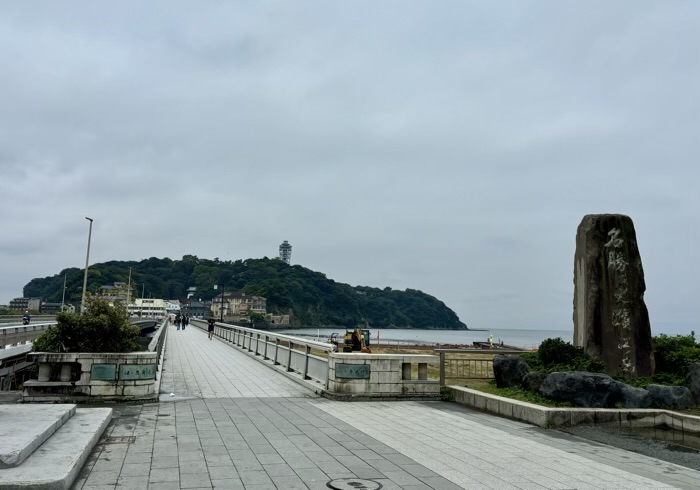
<point>55,465</point>
<point>23,428</point>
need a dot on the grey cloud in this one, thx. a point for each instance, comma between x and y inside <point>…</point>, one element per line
<point>451,149</point>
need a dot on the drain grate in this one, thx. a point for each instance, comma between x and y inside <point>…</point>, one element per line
<point>353,484</point>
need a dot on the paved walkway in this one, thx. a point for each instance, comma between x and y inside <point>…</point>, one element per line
<point>248,427</point>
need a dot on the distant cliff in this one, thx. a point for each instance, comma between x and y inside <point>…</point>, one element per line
<point>309,297</point>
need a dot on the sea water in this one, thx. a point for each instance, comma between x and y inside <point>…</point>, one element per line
<point>527,339</point>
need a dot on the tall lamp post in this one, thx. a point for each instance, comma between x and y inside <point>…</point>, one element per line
<point>222,301</point>
<point>87,260</point>
<point>221,308</point>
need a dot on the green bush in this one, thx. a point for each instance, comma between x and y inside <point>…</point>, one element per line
<point>673,356</point>
<point>102,328</point>
<point>556,355</point>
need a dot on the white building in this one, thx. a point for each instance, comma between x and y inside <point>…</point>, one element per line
<point>149,308</point>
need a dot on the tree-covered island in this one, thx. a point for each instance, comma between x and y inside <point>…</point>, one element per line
<point>309,297</point>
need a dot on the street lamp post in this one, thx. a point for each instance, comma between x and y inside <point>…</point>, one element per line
<point>222,301</point>
<point>87,260</point>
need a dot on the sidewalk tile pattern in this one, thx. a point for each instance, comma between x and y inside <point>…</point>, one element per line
<point>245,426</point>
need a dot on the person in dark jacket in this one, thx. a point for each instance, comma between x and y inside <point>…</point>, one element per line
<point>210,328</point>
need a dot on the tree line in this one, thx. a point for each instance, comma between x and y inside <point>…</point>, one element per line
<point>309,297</point>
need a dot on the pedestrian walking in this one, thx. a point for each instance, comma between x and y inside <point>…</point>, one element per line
<point>178,320</point>
<point>185,321</point>
<point>210,328</point>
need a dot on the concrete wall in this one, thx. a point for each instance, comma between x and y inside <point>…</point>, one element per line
<point>389,377</point>
<point>68,377</point>
<point>552,417</point>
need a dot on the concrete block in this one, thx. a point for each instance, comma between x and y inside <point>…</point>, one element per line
<point>642,418</point>
<point>25,427</point>
<point>105,390</point>
<point>505,408</point>
<point>581,416</point>
<point>62,456</point>
<point>531,414</point>
<point>384,365</point>
<point>492,405</point>
<point>394,388</point>
<point>606,416</point>
<point>480,401</point>
<point>140,390</point>
<point>557,417</point>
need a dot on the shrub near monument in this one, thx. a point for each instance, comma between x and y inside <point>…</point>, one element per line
<point>575,374</point>
<point>102,328</point>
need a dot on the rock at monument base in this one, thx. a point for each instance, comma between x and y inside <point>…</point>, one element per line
<point>611,321</point>
<point>632,397</point>
<point>692,381</point>
<point>582,389</point>
<point>533,380</point>
<point>675,397</point>
<point>509,371</point>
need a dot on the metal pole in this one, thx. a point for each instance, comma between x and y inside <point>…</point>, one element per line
<point>63,299</point>
<point>222,301</point>
<point>87,260</point>
<point>128,293</point>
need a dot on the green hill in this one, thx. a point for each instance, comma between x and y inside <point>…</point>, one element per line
<point>309,297</point>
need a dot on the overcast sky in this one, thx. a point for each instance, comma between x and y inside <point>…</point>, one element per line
<point>451,147</point>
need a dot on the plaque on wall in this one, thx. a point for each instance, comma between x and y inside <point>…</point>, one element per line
<point>352,371</point>
<point>130,372</point>
<point>103,372</point>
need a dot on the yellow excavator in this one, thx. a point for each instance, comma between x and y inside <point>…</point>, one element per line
<point>357,340</point>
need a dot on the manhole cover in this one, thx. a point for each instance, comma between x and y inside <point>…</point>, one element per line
<point>353,484</point>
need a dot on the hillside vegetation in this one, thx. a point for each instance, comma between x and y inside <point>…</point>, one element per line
<point>308,296</point>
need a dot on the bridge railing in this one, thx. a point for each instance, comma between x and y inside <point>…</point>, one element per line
<point>291,353</point>
<point>459,365</point>
<point>19,334</point>
<point>17,319</point>
<point>158,341</point>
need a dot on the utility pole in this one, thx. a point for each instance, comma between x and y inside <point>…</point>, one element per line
<point>128,291</point>
<point>87,261</point>
<point>63,299</point>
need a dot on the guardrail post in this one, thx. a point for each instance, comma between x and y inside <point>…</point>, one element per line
<point>277,347</point>
<point>442,369</point>
<point>250,342</point>
<point>306,362</point>
<point>257,344</point>
<point>265,351</point>
<point>289,357</point>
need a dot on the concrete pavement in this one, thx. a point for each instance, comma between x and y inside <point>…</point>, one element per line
<point>235,423</point>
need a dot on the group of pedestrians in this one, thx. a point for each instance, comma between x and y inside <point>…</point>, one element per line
<point>184,320</point>
<point>181,321</point>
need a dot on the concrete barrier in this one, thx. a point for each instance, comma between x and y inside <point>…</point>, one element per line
<point>553,418</point>
<point>355,376</point>
<point>91,377</point>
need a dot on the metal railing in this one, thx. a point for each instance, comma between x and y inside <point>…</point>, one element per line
<point>158,341</point>
<point>17,319</point>
<point>467,364</point>
<point>291,353</point>
<point>19,334</point>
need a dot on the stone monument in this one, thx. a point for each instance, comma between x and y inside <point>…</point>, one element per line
<point>611,321</point>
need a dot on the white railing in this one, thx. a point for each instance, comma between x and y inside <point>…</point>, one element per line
<point>291,353</point>
<point>17,334</point>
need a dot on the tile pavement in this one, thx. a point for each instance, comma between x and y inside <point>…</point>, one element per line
<point>237,424</point>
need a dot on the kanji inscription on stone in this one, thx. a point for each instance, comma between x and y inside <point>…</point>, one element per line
<point>352,371</point>
<point>137,371</point>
